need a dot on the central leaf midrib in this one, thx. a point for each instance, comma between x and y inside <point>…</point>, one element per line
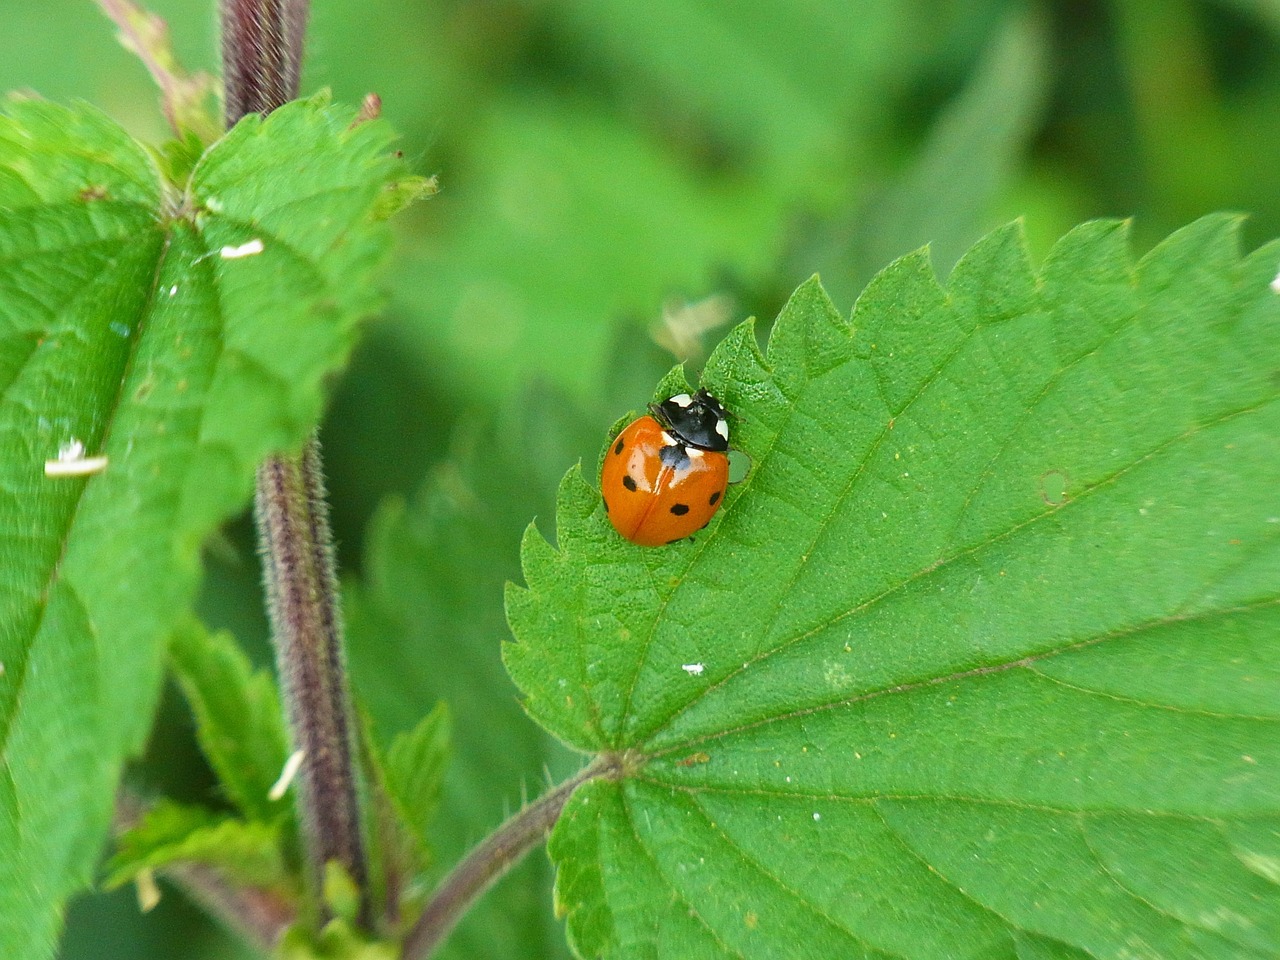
<point>969,551</point>
<point>1020,662</point>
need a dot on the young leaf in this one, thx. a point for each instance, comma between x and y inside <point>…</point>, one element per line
<point>404,786</point>
<point>172,334</point>
<point>238,719</point>
<point>415,766</point>
<point>171,834</point>
<point>988,637</point>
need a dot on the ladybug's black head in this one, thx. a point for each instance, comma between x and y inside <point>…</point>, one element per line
<point>696,421</point>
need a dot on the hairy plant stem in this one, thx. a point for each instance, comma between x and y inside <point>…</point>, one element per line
<point>302,595</point>
<point>503,849</point>
<point>262,44</point>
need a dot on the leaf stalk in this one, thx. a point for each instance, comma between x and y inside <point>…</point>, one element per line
<point>501,851</point>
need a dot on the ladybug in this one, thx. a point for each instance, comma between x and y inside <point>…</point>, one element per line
<point>665,475</point>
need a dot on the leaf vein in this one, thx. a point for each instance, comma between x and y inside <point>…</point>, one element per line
<point>684,745</point>
<point>945,562</point>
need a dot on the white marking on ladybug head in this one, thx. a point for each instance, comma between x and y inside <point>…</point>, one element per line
<point>722,428</point>
<point>682,400</point>
<point>668,440</point>
<point>694,452</point>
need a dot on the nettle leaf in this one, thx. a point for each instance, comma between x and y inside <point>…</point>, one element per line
<point>990,634</point>
<point>238,720</point>
<point>171,834</point>
<point>181,332</point>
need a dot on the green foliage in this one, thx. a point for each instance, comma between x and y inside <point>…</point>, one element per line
<point>238,719</point>
<point>597,158</point>
<point>132,327</point>
<point>425,624</point>
<point>985,643</point>
<point>945,196</point>
<point>170,834</point>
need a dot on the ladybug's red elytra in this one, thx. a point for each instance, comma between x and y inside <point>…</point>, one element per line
<point>665,475</point>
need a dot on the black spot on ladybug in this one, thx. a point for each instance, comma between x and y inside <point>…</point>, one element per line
<point>674,456</point>
<point>629,482</point>
<point>617,449</point>
<point>679,509</point>
<point>714,497</point>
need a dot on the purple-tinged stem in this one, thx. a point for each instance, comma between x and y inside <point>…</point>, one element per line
<point>501,851</point>
<point>303,598</point>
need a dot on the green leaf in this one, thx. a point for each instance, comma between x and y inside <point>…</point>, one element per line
<point>988,636</point>
<point>405,783</point>
<point>238,719</point>
<point>171,834</point>
<point>415,766</point>
<point>137,323</point>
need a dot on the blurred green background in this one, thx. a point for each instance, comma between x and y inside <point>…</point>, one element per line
<point>616,176</point>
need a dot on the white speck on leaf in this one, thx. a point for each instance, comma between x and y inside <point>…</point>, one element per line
<point>250,249</point>
<point>693,669</point>
<point>1275,284</point>
<point>71,462</point>
<point>173,291</point>
<point>816,816</point>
